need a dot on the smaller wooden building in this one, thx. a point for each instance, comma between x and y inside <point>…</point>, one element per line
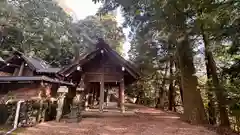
<point>98,70</point>
<point>25,75</point>
<point>19,64</point>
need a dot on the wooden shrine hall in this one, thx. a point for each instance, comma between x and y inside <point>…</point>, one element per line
<point>99,70</point>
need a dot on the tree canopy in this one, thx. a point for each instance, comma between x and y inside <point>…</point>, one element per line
<point>44,29</point>
<point>187,49</point>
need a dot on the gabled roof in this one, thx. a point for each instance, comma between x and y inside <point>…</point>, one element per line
<point>35,63</point>
<point>101,45</point>
<point>2,62</point>
<point>1,59</point>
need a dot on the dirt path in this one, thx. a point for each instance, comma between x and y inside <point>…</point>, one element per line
<point>145,122</point>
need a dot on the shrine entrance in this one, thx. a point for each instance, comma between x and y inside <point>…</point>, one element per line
<point>111,96</point>
<point>102,75</point>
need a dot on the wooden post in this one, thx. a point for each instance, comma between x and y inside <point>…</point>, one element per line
<point>101,94</point>
<point>94,94</point>
<point>86,97</point>
<point>121,96</point>
<point>15,73</point>
<point>60,103</point>
<point>90,103</point>
<point>101,103</point>
<point>21,69</point>
<point>106,96</point>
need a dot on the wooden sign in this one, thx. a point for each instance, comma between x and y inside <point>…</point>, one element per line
<point>63,89</point>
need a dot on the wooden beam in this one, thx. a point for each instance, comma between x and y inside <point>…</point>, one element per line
<point>99,73</point>
<point>20,73</point>
<point>16,70</point>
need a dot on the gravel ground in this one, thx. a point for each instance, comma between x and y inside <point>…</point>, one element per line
<point>138,120</point>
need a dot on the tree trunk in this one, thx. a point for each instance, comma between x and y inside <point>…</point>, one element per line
<point>178,81</point>
<point>193,104</point>
<point>160,100</point>
<point>219,91</point>
<point>171,87</point>
<point>211,106</point>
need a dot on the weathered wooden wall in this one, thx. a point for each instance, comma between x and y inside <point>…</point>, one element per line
<point>26,92</point>
<point>94,69</point>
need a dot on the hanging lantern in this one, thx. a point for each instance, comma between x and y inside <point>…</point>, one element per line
<point>78,68</point>
<point>123,68</point>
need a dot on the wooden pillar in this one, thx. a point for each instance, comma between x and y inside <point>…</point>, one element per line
<point>86,96</point>
<point>106,96</point>
<point>94,94</point>
<point>21,69</point>
<point>121,96</point>
<point>15,73</point>
<point>101,94</point>
<point>60,103</point>
<point>90,97</point>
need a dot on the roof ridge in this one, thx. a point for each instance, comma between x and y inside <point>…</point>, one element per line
<point>1,59</point>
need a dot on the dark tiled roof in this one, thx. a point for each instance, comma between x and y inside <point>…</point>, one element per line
<point>36,63</point>
<point>4,79</point>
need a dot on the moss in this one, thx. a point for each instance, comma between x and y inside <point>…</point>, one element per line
<point>4,129</point>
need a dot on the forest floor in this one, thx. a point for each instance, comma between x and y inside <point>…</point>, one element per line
<point>138,120</point>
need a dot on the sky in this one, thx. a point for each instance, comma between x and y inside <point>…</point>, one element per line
<point>80,10</point>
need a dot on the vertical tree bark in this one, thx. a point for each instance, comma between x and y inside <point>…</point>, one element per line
<point>219,93</point>
<point>211,106</point>
<point>219,90</point>
<point>193,104</point>
<point>171,87</point>
<point>160,100</point>
<point>178,79</point>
